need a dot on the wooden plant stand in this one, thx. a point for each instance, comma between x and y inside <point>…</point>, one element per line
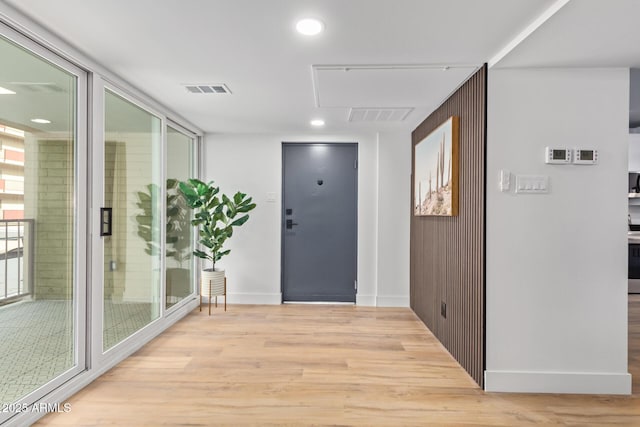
<point>216,297</point>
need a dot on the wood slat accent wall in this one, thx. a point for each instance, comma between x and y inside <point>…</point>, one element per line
<point>448,253</point>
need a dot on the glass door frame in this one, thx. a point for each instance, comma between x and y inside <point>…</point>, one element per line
<point>195,167</point>
<point>89,140</point>
<point>80,206</point>
<point>100,358</point>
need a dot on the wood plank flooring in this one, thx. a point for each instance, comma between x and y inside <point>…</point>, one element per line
<point>320,365</point>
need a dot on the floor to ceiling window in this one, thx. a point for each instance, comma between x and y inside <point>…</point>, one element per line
<point>180,241</point>
<point>132,189</point>
<point>41,142</point>
<point>55,311</point>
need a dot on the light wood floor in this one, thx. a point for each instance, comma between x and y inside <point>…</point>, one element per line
<point>314,364</point>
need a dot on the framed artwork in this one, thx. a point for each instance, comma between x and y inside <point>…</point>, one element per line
<point>435,169</point>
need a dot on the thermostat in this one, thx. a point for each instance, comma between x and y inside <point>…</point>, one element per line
<point>557,155</point>
<point>585,156</point>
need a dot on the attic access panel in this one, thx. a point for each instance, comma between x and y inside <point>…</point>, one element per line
<point>387,86</point>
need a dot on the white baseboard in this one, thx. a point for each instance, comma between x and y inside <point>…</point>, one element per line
<point>253,298</point>
<point>557,382</point>
<point>366,300</point>
<point>392,301</point>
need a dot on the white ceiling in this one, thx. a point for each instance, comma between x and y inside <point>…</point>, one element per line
<point>251,46</point>
<point>583,33</point>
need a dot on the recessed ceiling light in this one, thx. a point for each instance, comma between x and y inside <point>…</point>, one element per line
<point>4,91</point>
<point>43,121</point>
<point>309,26</point>
<point>317,122</point>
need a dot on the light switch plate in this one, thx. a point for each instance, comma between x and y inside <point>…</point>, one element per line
<point>532,184</point>
<point>271,197</point>
<point>505,180</point>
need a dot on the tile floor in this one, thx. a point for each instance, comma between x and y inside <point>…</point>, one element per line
<point>35,345</point>
<point>36,340</point>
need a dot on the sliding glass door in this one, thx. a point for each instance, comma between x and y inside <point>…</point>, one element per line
<point>133,192</point>
<point>130,225</point>
<point>42,211</point>
<point>180,241</point>
<point>143,240</point>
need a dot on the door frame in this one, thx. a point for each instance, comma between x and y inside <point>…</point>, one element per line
<point>98,355</point>
<point>33,37</point>
<point>283,219</point>
<point>131,343</point>
<point>195,166</point>
<point>80,200</point>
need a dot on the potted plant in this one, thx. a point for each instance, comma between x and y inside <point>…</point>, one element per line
<point>215,216</point>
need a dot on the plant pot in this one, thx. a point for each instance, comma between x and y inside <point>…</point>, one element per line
<point>211,282</point>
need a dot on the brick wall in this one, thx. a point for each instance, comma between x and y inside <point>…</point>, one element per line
<point>128,170</point>
<point>49,187</point>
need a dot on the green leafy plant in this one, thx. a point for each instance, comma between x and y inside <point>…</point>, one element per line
<point>177,221</point>
<point>215,215</point>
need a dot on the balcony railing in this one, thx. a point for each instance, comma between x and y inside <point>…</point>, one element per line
<point>16,259</point>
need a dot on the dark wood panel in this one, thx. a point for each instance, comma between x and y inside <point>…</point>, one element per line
<point>447,253</point>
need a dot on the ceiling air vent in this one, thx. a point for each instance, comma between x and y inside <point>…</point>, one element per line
<point>208,89</point>
<point>379,114</point>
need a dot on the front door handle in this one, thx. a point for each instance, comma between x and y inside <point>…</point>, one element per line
<point>290,224</point>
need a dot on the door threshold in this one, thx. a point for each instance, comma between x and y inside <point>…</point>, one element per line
<point>320,302</point>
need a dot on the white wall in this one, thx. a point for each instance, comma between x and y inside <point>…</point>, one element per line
<point>252,163</point>
<point>556,263</point>
<point>394,214</point>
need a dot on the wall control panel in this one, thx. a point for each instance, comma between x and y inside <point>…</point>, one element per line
<point>585,156</point>
<point>567,156</point>
<point>558,156</point>
<point>532,184</point>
